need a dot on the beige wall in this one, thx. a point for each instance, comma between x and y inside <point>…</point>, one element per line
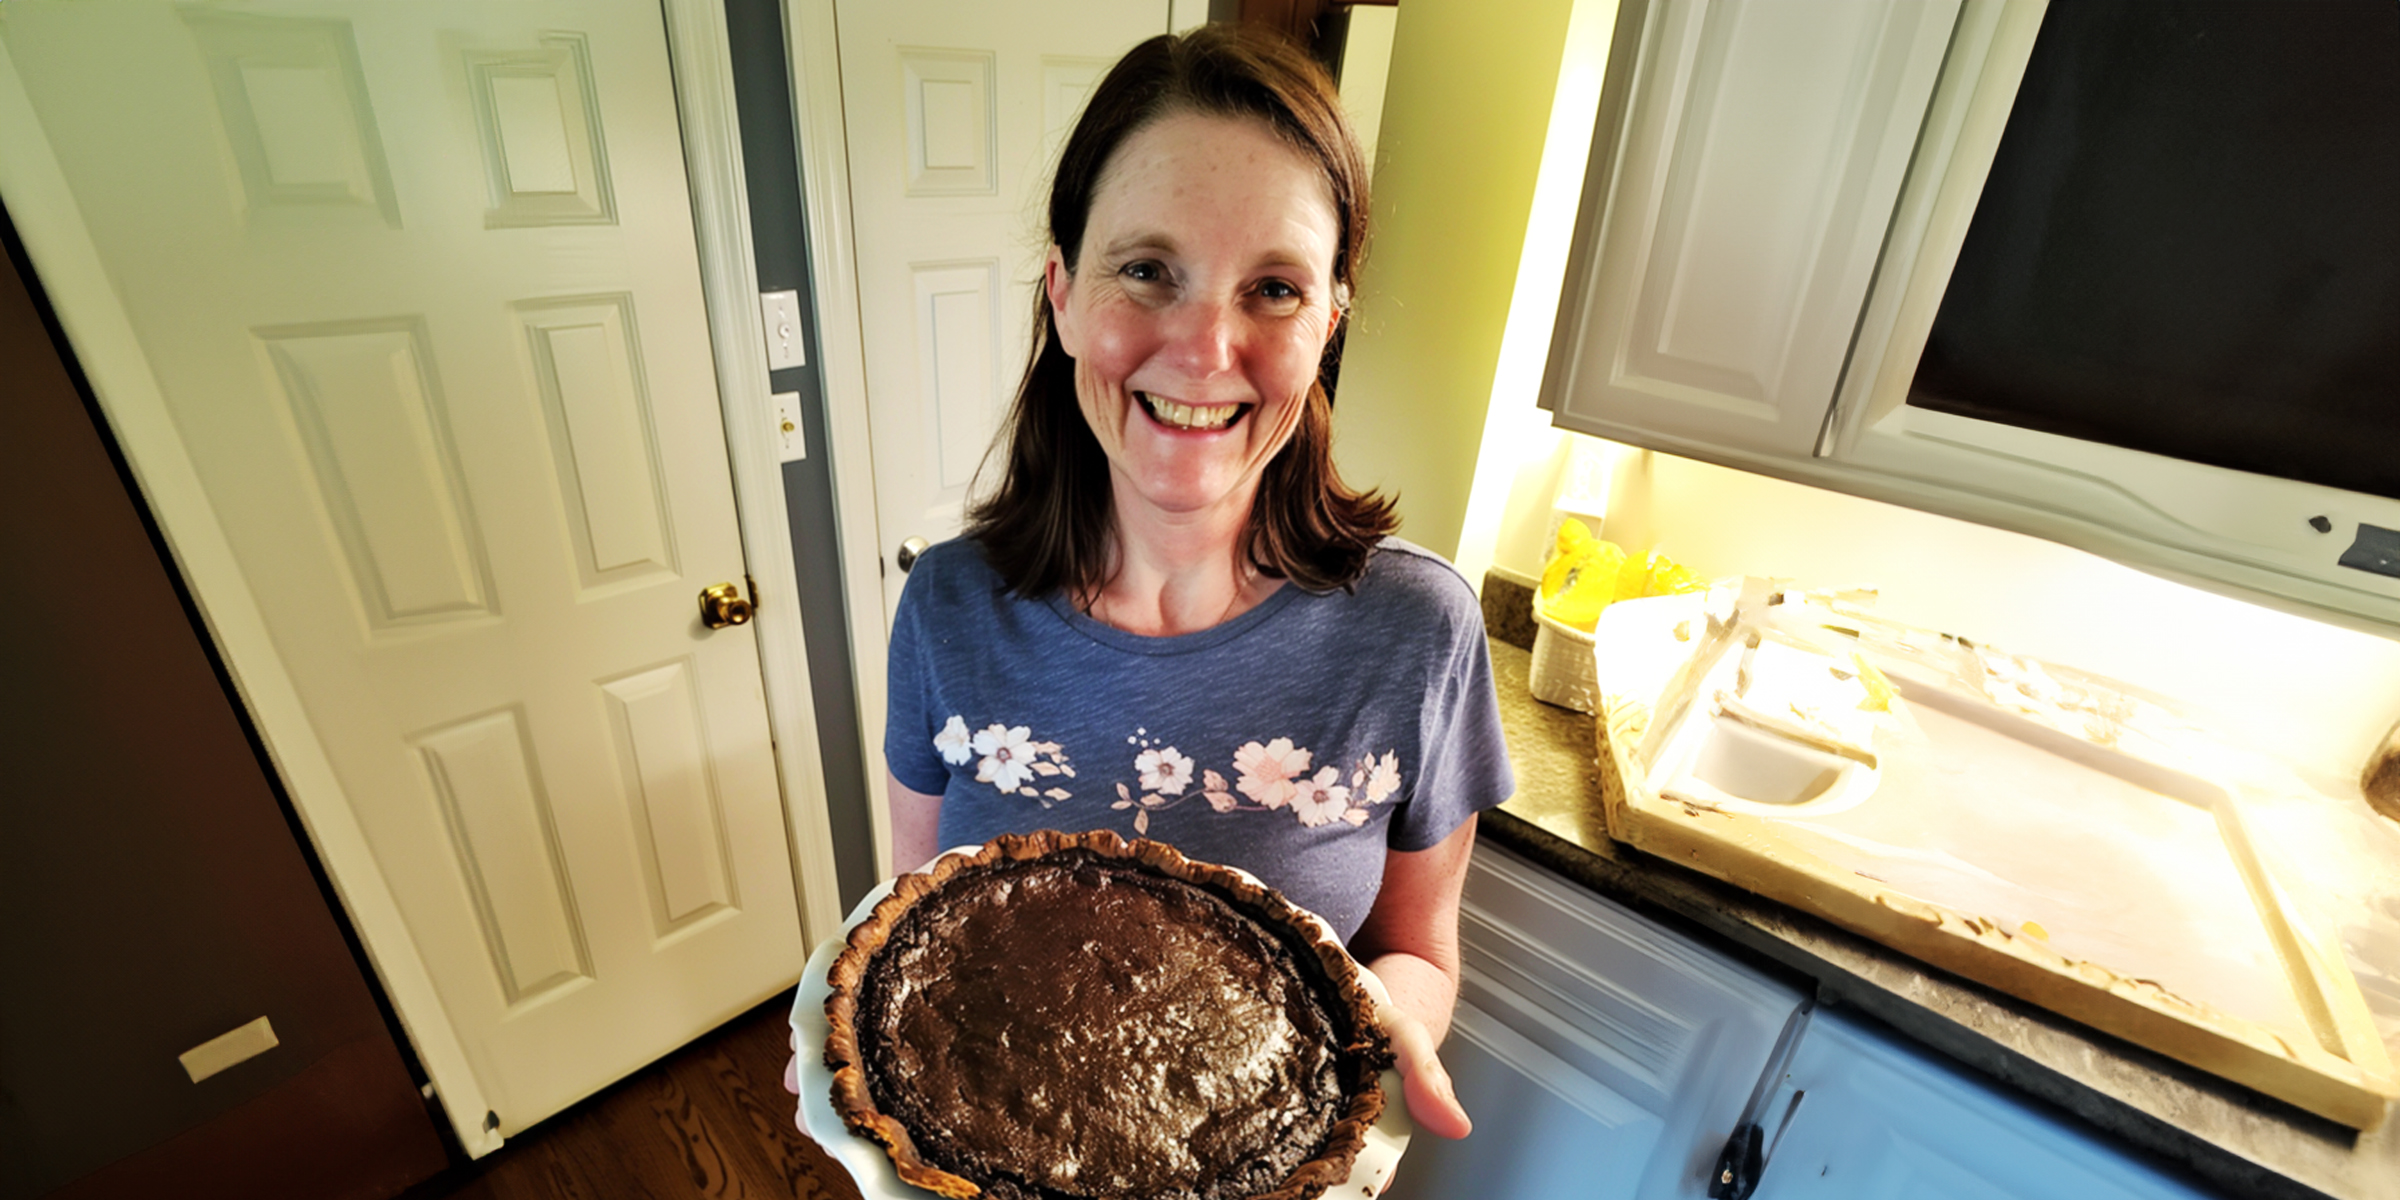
<point>1466,110</point>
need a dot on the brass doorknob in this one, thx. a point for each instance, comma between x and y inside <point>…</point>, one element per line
<point>722,605</point>
<point>909,550</point>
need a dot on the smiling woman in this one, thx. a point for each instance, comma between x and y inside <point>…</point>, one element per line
<point>1169,618</point>
<point>1207,224</point>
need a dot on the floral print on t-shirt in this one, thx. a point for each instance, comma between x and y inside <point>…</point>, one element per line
<point>1272,776</point>
<point>1007,758</point>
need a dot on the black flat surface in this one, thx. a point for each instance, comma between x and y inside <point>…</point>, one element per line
<point>2190,241</point>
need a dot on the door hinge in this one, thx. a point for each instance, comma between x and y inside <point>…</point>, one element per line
<point>1746,1154</point>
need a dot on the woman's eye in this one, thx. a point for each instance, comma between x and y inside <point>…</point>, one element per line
<point>1142,272</point>
<point>1279,294</point>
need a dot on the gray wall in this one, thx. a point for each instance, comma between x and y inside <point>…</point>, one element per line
<point>762,87</point>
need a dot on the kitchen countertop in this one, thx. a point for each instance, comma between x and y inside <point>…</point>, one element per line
<point>2223,1136</point>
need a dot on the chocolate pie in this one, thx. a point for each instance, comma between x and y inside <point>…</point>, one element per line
<point>1063,1016</point>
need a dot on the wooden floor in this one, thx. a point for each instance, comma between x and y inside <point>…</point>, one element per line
<point>711,1120</point>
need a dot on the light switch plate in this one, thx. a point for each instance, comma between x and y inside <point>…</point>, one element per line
<point>782,313</point>
<point>791,437</point>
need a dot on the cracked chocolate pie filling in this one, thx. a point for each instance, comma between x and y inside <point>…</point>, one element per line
<point>1067,1016</point>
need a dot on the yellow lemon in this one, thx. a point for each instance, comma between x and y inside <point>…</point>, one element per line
<point>1581,581</point>
<point>1571,533</point>
<point>1671,578</point>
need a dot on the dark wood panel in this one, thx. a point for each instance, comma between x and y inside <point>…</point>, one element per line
<point>357,1096</point>
<point>711,1120</point>
<point>157,891</point>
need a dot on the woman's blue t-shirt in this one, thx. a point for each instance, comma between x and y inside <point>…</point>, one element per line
<point>1298,741</point>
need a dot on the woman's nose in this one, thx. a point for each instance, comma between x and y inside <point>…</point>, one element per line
<point>1202,336</point>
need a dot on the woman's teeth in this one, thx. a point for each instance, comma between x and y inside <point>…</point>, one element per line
<point>1189,416</point>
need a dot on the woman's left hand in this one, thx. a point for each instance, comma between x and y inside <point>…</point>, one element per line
<point>1431,1102</point>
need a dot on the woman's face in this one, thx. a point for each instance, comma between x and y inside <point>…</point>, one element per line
<point>1198,309</point>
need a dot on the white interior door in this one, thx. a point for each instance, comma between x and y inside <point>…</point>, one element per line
<point>419,286</point>
<point>953,111</point>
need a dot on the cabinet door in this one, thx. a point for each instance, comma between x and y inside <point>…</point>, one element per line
<point>1877,1118</point>
<point>1723,258</point>
<point>1601,1054</point>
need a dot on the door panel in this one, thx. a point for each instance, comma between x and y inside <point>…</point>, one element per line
<point>953,112</point>
<point>1761,156</point>
<point>1599,1053</point>
<point>418,284</point>
<point>1542,1128</point>
<point>1872,1118</point>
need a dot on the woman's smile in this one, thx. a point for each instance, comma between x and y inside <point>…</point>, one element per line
<point>1191,418</point>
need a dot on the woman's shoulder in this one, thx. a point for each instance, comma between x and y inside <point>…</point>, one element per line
<point>952,572</point>
<point>951,557</point>
<point>1400,563</point>
<point>1412,581</point>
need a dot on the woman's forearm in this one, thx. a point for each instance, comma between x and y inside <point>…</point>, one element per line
<point>1410,941</point>
<point>1410,937</point>
<point>916,825</point>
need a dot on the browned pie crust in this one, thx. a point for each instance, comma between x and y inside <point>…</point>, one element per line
<point>1360,1049</point>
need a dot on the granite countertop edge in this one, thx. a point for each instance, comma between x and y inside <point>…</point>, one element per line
<point>2217,1135</point>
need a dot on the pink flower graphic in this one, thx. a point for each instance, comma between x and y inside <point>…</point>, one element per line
<point>1267,771</point>
<point>1166,771</point>
<point>1319,799</point>
<point>1007,756</point>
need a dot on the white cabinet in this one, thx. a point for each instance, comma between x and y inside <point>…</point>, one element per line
<point>1604,1055</point>
<point>1881,1120</point>
<point>1776,198</point>
<point>1763,148</point>
<point>1600,1054</point>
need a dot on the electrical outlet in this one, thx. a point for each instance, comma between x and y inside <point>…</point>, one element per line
<point>791,438</point>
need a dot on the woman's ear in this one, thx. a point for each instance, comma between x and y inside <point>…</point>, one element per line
<point>1057,285</point>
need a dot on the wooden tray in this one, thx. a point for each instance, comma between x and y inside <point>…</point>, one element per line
<point>2090,941</point>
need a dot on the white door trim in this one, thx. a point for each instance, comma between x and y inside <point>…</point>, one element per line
<point>712,153</point>
<point>51,224</point>
<point>816,68</point>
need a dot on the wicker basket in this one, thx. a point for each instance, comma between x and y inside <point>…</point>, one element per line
<point>1565,671</point>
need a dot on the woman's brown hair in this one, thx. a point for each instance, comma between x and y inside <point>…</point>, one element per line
<point>1046,526</point>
